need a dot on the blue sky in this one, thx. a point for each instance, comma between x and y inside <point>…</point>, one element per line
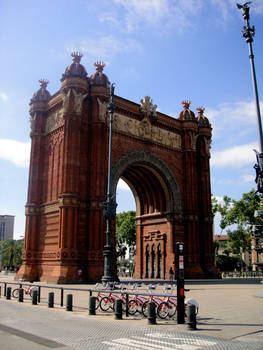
<point>169,50</point>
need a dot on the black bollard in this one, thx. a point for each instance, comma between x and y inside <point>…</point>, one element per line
<point>8,293</point>
<point>191,315</point>
<point>34,297</point>
<point>118,309</point>
<point>69,302</point>
<point>51,299</point>
<point>21,295</point>
<point>92,305</point>
<point>151,313</point>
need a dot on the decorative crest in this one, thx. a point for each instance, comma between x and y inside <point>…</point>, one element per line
<point>200,111</point>
<point>186,104</point>
<point>99,66</point>
<point>76,56</point>
<point>147,106</point>
<point>43,83</point>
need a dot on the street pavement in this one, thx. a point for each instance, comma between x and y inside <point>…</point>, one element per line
<point>230,317</point>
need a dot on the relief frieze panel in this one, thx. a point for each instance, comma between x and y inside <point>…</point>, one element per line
<point>140,128</point>
<point>54,121</point>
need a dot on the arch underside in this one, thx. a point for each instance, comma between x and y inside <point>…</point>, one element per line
<point>151,181</point>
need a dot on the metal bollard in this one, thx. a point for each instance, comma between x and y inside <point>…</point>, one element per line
<point>51,299</point>
<point>118,309</point>
<point>34,297</point>
<point>8,293</point>
<point>92,305</point>
<point>151,313</point>
<point>69,302</point>
<point>21,295</point>
<point>191,315</point>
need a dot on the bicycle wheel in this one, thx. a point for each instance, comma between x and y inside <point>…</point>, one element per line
<point>15,293</point>
<point>172,309</point>
<point>105,304</point>
<point>97,303</point>
<point>132,307</point>
<point>145,308</point>
<point>163,310</point>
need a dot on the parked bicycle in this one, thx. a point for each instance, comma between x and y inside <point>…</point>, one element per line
<point>29,290</point>
<point>155,299</point>
<point>168,308</point>
<point>135,304</point>
<point>108,302</point>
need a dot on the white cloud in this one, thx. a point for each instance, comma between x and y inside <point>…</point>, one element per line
<point>3,96</point>
<point>257,6</point>
<point>157,13</point>
<point>105,47</point>
<point>249,178</point>
<point>130,15</point>
<point>234,157</point>
<point>227,117</point>
<point>122,186</point>
<point>15,151</point>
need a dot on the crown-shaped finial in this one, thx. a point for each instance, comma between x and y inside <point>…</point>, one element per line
<point>76,56</point>
<point>43,83</point>
<point>200,110</point>
<point>99,66</point>
<point>186,104</point>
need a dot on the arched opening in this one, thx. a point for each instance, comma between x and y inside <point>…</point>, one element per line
<point>157,199</point>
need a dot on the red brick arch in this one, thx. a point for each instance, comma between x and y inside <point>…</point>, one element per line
<point>165,161</point>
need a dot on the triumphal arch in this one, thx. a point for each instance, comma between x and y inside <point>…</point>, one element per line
<point>164,160</point>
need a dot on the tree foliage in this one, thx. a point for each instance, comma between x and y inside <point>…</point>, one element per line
<point>125,231</point>
<point>126,228</point>
<point>237,217</point>
<point>12,248</point>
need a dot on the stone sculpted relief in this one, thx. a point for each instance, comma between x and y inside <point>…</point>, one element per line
<point>32,120</point>
<point>208,145</point>
<point>78,101</point>
<point>148,107</point>
<point>140,128</point>
<point>54,121</point>
<point>65,98</point>
<point>103,106</point>
<point>193,137</point>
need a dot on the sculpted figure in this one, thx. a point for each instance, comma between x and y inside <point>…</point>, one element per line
<point>65,97</point>
<point>78,101</point>
<point>102,109</point>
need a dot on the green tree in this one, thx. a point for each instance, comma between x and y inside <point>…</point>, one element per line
<point>126,227</point>
<point>12,247</point>
<point>237,217</point>
<point>125,231</point>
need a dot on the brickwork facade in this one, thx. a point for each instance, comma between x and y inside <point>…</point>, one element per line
<point>164,160</point>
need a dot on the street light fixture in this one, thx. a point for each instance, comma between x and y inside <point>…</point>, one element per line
<point>110,205</point>
<point>248,33</point>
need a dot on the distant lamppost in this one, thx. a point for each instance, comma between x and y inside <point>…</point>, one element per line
<point>110,205</point>
<point>248,33</point>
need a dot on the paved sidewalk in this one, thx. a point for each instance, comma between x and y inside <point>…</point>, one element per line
<point>226,311</point>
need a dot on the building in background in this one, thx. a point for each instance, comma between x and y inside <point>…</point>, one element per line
<point>6,227</point>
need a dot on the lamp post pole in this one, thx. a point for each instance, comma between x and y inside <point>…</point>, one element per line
<point>110,205</point>
<point>248,33</point>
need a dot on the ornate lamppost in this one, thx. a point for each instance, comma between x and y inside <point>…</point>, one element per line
<point>110,205</point>
<point>248,33</point>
